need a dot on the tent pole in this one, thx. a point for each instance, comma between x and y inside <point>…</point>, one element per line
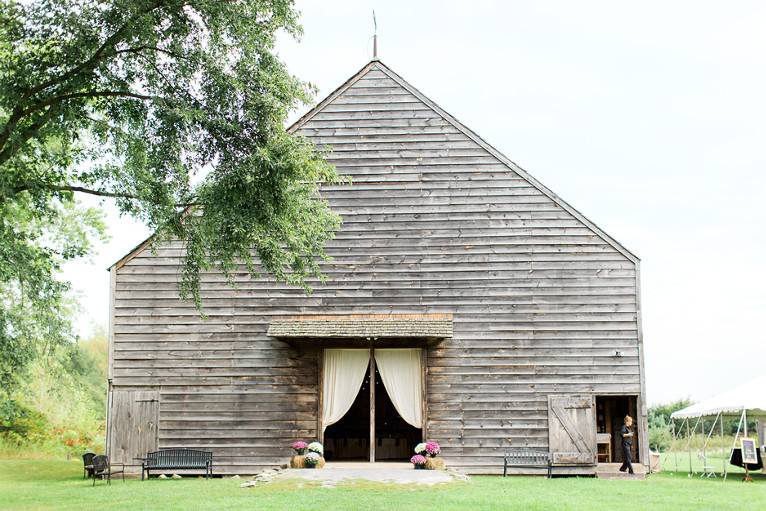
<point>744,414</point>
<point>747,472</point>
<point>673,444</point>
<point>707,441</point>
<point>703,446</point>
<point>689,444</point>
<point>736,435</point>
<point>723,452</point>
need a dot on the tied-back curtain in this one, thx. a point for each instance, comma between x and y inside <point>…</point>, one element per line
<point>401,371</point>
<point>344,372</point>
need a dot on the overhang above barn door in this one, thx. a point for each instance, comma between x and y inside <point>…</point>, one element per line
<point>363,330</point>
<point>572,429</point>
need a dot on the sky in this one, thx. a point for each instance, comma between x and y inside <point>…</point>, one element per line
<point>649,118</point>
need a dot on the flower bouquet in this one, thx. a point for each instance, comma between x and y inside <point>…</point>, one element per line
<point>432,449</point>
<point>316,447</point>
<point>300,447</point>
<point>312,459</point>
<point>419,461</point>
<point>426,456</point>
<point>307,455</point>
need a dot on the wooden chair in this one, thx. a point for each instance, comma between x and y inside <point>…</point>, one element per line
<point>103,468</point>
<point>87,464</point>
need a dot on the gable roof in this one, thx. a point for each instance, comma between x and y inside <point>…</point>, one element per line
<point>378,65</point>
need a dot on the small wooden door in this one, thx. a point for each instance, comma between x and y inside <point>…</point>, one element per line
<point>133,424</point>
<point>572,429</point>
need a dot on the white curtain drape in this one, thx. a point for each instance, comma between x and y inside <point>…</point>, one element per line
<point>402,372</point>
<point>344,372</point>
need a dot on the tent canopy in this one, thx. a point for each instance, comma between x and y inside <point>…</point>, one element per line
<point>750,396</point>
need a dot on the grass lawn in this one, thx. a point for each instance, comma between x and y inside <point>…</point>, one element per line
<point>46,484</point>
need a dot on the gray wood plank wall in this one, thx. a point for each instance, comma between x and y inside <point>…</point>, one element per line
<point>433,223</point>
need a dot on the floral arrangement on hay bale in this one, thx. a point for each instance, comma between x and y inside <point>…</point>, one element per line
<point>307,455</point>
<point>426,456</point>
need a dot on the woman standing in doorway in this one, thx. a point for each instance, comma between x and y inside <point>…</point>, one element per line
<point>627,443</point>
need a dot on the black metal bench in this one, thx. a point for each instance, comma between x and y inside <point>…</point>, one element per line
<point>177,459</point>
<point>527,458</point>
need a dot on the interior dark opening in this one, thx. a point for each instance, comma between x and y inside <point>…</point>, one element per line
<point>349,438</point>
<point>610,416</point>
<point>395,439</point>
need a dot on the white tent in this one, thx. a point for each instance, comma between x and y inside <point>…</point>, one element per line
<point>749,397</point>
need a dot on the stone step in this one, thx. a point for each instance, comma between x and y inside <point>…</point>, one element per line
<point>612,471</point>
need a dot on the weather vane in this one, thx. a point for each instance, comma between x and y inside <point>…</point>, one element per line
<point>374,37</point>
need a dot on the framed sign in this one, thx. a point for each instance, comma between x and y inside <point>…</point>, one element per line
<point>749,454</point>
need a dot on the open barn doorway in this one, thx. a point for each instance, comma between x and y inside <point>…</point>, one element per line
<point>373,429</point>
<point>349,438</point>
<point>395,439</point>
<point>610,416</point>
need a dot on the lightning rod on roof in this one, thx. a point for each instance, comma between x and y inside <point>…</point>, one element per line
<point>374,37</point>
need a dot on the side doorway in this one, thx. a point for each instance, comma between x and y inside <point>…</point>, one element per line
<point>610,416</point>
<point>133,425</point>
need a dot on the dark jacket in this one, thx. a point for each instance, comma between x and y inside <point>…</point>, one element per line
<point>626,440</point>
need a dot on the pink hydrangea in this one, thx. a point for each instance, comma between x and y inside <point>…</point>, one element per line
<point>300,446</point>
<point>418,460</point>
<point>432,448</point>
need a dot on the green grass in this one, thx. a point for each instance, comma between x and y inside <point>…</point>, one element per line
<point>42,485</point>
<point>714,459</point>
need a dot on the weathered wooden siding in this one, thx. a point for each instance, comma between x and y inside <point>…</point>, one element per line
<point>433,223</point>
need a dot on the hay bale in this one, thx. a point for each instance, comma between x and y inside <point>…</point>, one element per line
<point>434,463</point>
<point>299,461</point>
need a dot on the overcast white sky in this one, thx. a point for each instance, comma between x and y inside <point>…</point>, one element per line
<point>650,118</point>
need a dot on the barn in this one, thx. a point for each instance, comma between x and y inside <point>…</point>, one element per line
<point>465,303</point>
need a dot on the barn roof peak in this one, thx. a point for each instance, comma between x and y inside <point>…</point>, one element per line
<point>377,64</point>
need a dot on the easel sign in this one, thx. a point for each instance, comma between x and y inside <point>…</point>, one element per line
<point>749,454</point>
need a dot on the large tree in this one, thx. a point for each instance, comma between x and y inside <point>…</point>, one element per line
<point>174,109</point>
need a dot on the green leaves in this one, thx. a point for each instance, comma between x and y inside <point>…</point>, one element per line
<point>175,109</point>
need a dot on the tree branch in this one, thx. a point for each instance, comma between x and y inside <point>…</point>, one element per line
<point>20,114</point>
<point>96,57</point>
<point>90,191</point>
<point>26,134</point>
<point>139,49</point>
<point>7,152</point>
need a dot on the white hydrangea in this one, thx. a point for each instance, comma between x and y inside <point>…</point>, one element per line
<point>420,448</point>
<point>316,447</point>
